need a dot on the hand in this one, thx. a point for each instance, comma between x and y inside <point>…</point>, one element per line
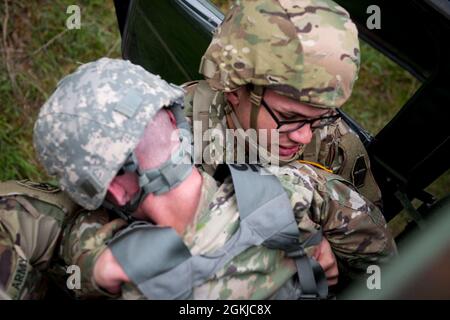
<point>108,274</point>
<point>325,257</point>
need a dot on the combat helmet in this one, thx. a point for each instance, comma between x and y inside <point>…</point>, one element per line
<point>307,50</point>
<point>88,129</point>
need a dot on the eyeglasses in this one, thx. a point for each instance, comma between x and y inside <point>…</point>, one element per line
<point>286,126</point>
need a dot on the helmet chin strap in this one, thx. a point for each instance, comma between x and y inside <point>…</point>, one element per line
<point>256,94</point>
<point>162,179</point>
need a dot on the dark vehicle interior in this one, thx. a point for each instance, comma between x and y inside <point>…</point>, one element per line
<point>407,155</point>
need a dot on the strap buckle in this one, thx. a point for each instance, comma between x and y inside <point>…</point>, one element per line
<point>310,296</point>
<point>296,253</point>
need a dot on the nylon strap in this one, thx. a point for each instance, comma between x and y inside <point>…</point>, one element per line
<point>202,97</point>
<point>207,67</point>
<point>255,98</point>
<point>266,218</point>
<point>167,250</point>
<point>312,149</point>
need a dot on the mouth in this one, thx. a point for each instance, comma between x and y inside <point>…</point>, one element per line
<point>287,151</point>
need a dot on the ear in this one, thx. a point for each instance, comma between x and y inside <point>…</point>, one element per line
<point>172,118</point>
<point>116,193</point>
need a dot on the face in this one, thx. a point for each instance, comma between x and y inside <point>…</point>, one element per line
<point>284,108</point>
<point>153,150</point>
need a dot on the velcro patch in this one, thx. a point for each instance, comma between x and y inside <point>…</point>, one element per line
<point>129,104</point>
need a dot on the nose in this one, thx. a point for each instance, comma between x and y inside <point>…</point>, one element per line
<point>302,135</point>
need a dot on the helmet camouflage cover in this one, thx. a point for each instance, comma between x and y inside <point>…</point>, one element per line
<point>305,49</point>
<point>93,121</point>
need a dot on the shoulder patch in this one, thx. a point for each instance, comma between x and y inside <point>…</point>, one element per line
<point>39,186</point>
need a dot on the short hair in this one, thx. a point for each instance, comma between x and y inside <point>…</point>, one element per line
<point>158,142</point>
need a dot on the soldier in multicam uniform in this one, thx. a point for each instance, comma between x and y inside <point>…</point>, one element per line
<point>104,134</point>
<point>333,145</point>
<point>32,216</point>
<point>272,61</point>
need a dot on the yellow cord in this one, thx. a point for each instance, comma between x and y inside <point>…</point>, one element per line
<point>315,164</point>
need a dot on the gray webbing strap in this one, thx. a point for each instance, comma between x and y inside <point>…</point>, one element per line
<point>180,117</point>
<point>168,175</point>
<point>249,190</point>
<point>266,218</point>
<point>167,250</point>
<point>271,215</point>
<point>311,275</point>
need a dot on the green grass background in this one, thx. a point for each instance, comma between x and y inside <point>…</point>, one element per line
<point>37,50</point>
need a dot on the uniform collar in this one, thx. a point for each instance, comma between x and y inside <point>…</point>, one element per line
<point>207,193</point>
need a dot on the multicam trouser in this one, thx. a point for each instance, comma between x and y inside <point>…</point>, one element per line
<point>31,219</point>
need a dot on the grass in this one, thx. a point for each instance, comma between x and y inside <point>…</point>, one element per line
<point>380,91</point>
<point>37,50</point>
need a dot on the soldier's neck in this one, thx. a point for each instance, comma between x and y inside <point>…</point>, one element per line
<point>177,207</point>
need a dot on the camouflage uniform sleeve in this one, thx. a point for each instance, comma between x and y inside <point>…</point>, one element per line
<point>355,228</point>
<point>84,239</point>
<point>28,240</point>
<point>18,278</point>
<point>338,149</point>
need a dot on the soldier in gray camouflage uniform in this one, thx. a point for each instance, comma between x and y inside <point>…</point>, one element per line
<point>110,109</point>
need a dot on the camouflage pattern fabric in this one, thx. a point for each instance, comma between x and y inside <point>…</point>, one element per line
<point>29,236</point>
<point>305,49</point>
<point>82,243</point>
<point>354,227</point>
<point>93,121</point>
